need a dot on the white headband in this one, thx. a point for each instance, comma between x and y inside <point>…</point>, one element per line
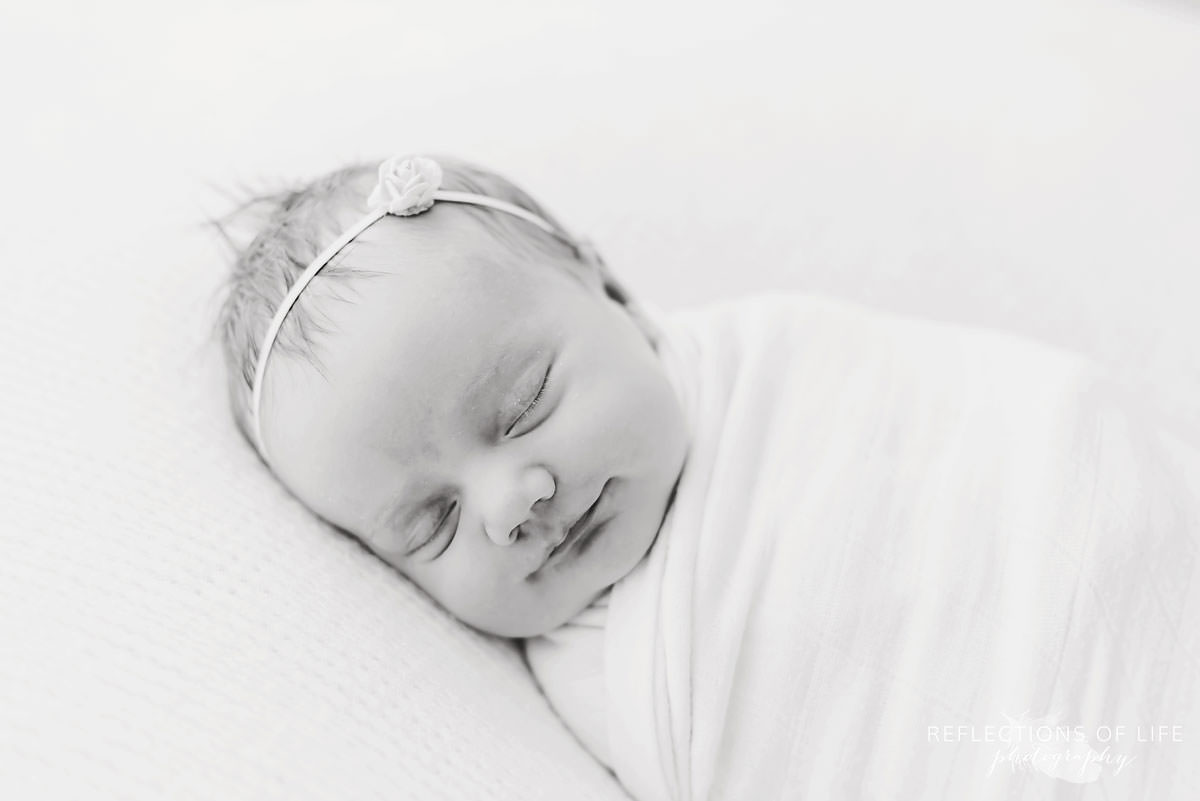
<point>406,186</point>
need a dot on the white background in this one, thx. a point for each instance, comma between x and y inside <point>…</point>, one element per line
<point>177,626</point>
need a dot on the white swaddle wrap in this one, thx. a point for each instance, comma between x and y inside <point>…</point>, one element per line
<point>891,535</point>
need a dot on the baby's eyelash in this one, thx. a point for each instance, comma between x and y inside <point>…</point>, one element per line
<point>541,391</point>
<point>437,530</point>
<point>532,404</point>
<point>441,524</point>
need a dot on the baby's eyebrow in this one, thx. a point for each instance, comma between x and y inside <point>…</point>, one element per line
<point>485,381</point>
<point>481,395</point>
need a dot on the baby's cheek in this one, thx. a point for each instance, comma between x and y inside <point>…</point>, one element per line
<point>652,415</point>
<point>478,603</point>
<point>461,581</point>
<point>622,427</point>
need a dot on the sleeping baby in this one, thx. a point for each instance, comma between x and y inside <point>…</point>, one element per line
<point>780,547</point>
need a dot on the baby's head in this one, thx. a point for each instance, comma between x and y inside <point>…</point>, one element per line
<point>456,389</point>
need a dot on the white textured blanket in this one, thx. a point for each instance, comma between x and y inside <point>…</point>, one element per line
<point>909,560</point>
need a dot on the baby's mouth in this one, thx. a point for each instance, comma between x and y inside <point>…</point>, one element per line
<point>579,530</point>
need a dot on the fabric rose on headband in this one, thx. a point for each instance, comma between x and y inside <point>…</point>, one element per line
<point>406,185</point>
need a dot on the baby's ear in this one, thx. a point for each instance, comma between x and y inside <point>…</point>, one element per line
<point>615,290</point>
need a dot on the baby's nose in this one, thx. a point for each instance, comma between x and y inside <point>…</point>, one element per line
<point>510,506</point>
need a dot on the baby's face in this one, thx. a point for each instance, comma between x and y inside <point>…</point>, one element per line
<point>469,410</point>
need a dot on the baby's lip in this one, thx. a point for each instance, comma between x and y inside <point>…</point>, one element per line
<point>576,530</point>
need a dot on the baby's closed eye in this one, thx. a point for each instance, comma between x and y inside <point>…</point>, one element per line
<point>532,404</point>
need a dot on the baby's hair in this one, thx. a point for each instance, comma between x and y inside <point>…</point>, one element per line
<point>290,227</point>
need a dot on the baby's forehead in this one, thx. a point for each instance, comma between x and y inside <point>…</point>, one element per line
<point>427,331</point>
<point>443,242</point>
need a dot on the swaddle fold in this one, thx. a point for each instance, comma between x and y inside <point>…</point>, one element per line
<point>890,535</point>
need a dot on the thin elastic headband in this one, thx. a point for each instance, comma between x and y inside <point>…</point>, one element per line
<point>406,186</point>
